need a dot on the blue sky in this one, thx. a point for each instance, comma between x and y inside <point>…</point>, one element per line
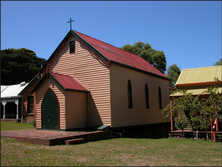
<point>189,32</point>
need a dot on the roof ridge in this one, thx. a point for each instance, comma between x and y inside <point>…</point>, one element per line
<point>218,66</point>
<point>115,54</point>
<point>109,45</point>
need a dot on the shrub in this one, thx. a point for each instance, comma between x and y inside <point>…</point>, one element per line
<point>181,122</point>
<point>34,123</point>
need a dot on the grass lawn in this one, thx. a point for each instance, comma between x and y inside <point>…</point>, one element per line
<point>15,126</point>
<point>148,150</point>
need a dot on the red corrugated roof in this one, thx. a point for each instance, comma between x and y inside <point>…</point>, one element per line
<point>121,56</point>
<point>68,82</point>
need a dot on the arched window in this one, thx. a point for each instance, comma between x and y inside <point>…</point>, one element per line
<point>160,98</point>
<point>147,96</point>
<point>130,99</point>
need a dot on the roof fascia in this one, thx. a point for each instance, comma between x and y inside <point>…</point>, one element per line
<point>134,68</point>
<point>28,84</point>
<point>54,53</point>
<point>37,85</point>
<point>57,82</point>
<point>77,90</point>
<point>51,76</point>
<point>64,39</point>
<point>199,84</point>
<point>90,47</point>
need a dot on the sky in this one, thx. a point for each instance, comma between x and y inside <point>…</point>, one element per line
<point>188,32</point>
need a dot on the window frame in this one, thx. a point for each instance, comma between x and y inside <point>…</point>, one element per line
<point>160,98</point>
<point>147,96</point>
<point>72,47</point>
<point>30,104</point>
<point>130,97</point>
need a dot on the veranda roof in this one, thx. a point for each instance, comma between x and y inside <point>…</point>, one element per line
<point>196,80</point>
<point>199,75</point>
<point>195,92</point>
<point>12,90</point>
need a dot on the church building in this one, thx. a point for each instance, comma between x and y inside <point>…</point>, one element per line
<point>87,83</point>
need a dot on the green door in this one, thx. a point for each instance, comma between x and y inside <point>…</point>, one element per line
<point>50,111</point>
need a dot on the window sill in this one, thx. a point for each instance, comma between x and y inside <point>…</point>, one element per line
<point>30,114</point>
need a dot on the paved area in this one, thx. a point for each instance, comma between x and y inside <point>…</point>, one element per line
<point>52,137</point>
<point>39,134</point>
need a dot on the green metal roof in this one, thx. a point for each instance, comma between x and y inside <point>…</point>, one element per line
<point>200,75</point>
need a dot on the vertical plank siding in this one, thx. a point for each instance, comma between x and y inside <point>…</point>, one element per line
<point>89,71</point>
<point>138,115</point>
<point>40,92</point>
<point>76,110</point>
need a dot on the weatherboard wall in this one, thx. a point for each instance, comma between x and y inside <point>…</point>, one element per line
<point>76,110</point>
<point>89,71</point>
<point>139,114</point>
<point>60,95</point>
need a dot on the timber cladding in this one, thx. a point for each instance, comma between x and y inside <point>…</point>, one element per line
<point>76,110</point>
<point>139,114</point>
<point>90,72</point>
<point>105,101</point>
<point>60,95</point>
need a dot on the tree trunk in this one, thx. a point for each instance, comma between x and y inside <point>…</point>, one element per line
<point>196,134</point>
<point>206,135</point>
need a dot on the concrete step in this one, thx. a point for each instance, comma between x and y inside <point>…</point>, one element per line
<point>74,141</point>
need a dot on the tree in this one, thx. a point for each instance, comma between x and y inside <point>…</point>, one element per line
<point>211,108</point>
<point>18,65</point>
<point>173,73</point>
<point>218,62</point>
<point>200,111</point>
<point>181,122</point>
<point>154,57</point>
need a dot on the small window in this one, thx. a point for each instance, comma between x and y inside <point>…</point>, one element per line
<point>147,96</point>
<point>72,46</point>
<point>130,99</point>
<point>160,98</point>
<point>30,104</point>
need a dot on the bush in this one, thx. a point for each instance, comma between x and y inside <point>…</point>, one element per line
<point>181,122</point>
<point>34,123</point>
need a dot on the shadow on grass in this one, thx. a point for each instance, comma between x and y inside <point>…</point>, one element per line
<point>152,135</point>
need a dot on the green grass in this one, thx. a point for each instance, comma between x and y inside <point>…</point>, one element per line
<point>15,126</point>
<point>146,150</point>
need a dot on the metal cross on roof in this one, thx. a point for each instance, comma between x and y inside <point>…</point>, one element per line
<point>70,23</point>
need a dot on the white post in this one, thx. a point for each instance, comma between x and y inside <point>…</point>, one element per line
<point>4,103</point>
<point>16,102</point>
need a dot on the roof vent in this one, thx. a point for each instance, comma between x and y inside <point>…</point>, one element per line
<point>23,83</point>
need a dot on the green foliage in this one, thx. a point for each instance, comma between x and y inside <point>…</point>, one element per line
<point>18,65</point>
<point>173,73</point>
<point>200,111</point>
<point>154,57</point>
<point>181,122</point>
<point>34,123</point>
<point>218,62</point>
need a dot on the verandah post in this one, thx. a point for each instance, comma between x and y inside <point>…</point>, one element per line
<point>171,112</point>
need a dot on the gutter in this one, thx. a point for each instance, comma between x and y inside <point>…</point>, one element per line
<point>137,69</point>
<point>10,97</point>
